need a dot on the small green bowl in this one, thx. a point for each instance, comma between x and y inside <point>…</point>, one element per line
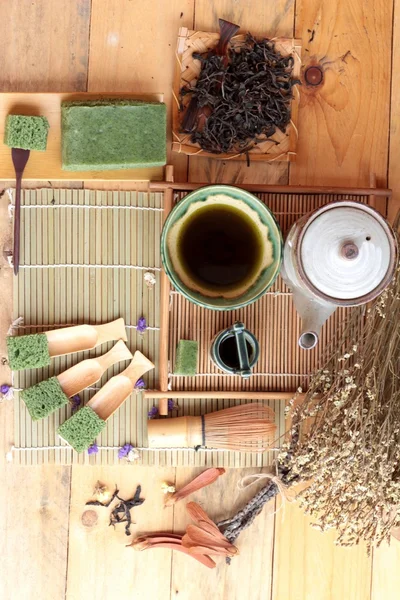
<point>267,276</point>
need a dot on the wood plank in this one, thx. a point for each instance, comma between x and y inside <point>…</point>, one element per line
<point>249,575</point>
<point>385,572</point>
<point>307,564</point>
<point>44,47</point>
<point>394,150</point>
<point>344,123</point>
<point>271,18</point>
<point>132,48</point>
<point>34,529</point>
<point>110,569</point>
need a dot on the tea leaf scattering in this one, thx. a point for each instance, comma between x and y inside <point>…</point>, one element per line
<point>241,101</point>
<point>121,513</point>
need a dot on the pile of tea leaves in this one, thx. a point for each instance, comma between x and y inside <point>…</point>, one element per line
<point>240,99</point>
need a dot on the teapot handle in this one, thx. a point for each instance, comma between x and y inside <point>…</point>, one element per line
<point>242,351</point>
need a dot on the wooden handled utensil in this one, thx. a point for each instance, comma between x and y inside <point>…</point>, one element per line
<point>84,337</point>
<point>114,393</point>
<point>87,372</point>
<point>20,158</point>
<point>248,428</point>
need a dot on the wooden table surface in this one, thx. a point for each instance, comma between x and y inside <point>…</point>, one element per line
<point>348,129</point>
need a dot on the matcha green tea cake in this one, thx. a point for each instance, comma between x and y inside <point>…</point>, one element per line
<point>80,430</point>
<point>186,358</point>
<point>28,351</point>
<point>113,134</point>
<point>29,133</point>
<point>44,398</point>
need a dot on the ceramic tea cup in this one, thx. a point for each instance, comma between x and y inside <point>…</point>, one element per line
<point>221,247</point>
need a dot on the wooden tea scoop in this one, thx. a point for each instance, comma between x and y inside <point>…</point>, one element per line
<point>84,337</point>
<point>20,158</point>
<point>114,393</point>
<point>87,372</point>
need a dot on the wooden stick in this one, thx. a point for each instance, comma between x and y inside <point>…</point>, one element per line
<point>222,395</point>
<point>275,189</point>
<point>164,309</point>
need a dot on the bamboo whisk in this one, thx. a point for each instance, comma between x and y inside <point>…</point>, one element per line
<point>247,428</point>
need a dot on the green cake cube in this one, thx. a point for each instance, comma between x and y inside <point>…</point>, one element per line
<point>29,133</point>
<point>186,358</point>
<point>113,134</point>
<point>28,351</point>
<point>80,430</point>
<point>44,398</point>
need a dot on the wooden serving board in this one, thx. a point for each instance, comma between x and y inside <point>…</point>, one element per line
<point>47,165</point>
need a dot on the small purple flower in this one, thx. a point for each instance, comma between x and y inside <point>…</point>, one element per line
<point>124,451</point>
<point>75,403</point>
<point>153,412</point>
<point>4,389</point>
<point>141,325</point>
<point>93,449</point>
<point>172,405</point>
<point>140,384</point>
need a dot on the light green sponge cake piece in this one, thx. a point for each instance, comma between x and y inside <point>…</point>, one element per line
<point>106,134</point>
<point>44,398</point>
<point>186,358</point>
<point>29,133</point>
<point>28,351</point>
<point>80,430</point>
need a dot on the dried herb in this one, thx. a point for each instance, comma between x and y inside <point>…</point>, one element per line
<point>122,512</point>
<point>240,98</point>
<point>98,503</point>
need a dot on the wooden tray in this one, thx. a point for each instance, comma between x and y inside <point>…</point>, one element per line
<point>282,146</point>
<point>47,165</point>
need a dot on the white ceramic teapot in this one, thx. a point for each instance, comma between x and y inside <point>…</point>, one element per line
<point>342,254</point>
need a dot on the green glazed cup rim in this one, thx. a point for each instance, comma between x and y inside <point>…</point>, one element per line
<point>266,278</point>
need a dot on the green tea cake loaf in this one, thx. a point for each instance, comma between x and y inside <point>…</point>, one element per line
<point>29,133</point>
<point>44,398</point>
<point>80,430</point>
<point>186,358</point>
<point>28,351</point>
<point>113,134</point>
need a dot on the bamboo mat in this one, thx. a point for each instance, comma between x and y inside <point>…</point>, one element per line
<point>83,259</point>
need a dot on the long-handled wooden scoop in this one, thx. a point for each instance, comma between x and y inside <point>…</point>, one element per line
<point>83,427</point>
<point>84,337</point>
<point>87,372</point>
<point>114,393</point>
<point>36,350</point>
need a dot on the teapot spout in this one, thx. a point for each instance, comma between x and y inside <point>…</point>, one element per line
<point>313,314</point>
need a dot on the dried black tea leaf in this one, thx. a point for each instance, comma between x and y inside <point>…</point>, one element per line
<point>241,97</point>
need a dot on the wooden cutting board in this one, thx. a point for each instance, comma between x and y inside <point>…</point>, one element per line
<point>47,165</point>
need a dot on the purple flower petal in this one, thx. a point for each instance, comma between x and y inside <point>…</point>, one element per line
<point>75,403</point>
<point>172,405</point>
<point>153,412</point>
<point>140,384</point>
<point>93,449</point>
<point>141,325</point>
<point>4,388</point>
<point>124,451</point>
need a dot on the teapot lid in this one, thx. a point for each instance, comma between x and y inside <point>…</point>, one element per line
<point>346,253</point>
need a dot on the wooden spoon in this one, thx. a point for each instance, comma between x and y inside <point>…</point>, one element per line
<point>84,337</point>
<point>87,372</point>
<point>114,393</point>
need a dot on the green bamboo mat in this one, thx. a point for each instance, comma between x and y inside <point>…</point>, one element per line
<point>84,255</point>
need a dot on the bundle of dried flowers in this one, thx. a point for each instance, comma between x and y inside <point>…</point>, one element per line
<point>201,541</point>
<point>345,436</point>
